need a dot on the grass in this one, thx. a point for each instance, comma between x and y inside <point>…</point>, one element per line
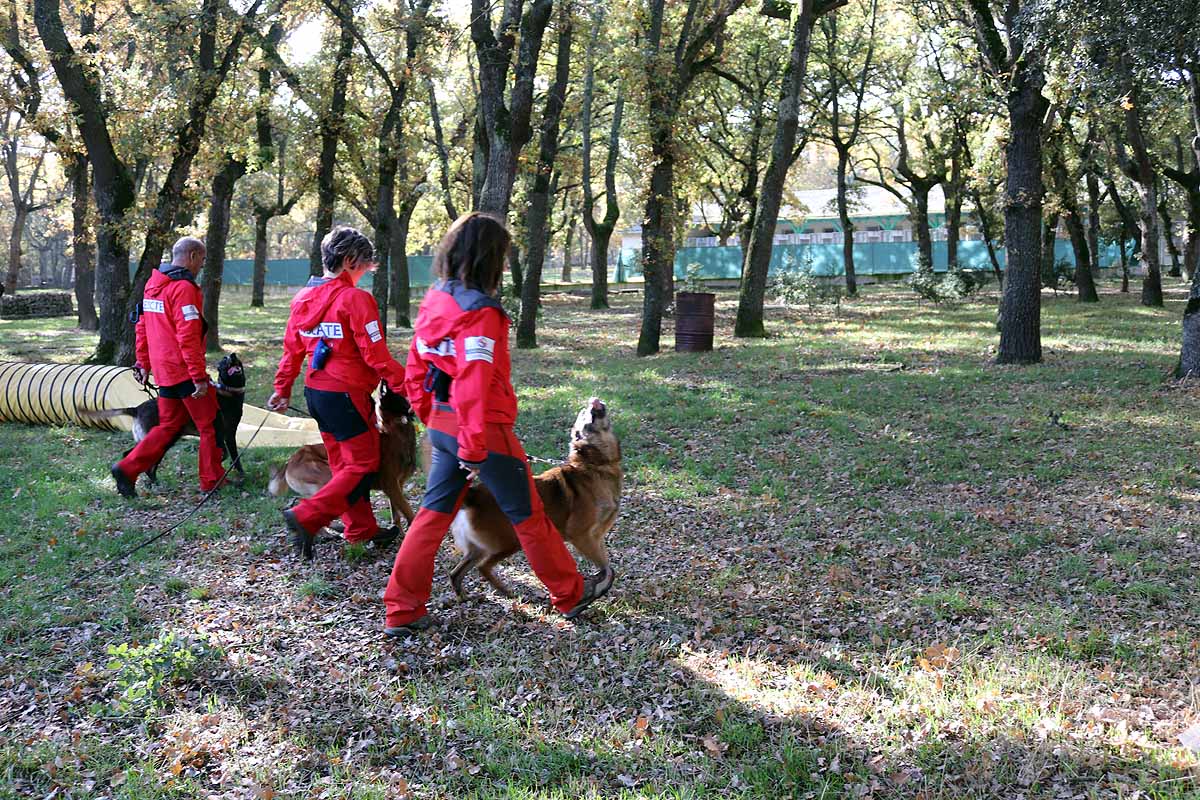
<point>855,560</point>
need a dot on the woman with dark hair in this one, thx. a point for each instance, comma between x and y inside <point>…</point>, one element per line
<point>337,326</point>
<point>458,381</point>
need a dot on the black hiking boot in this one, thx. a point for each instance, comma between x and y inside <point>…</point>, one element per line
<point>384,537</point>
<point>302,541</point>
<point>407,629</point>
<point>594,587</point>
<point>125,486</point>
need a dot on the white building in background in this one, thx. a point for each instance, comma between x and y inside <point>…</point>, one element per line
<point>877,214</point>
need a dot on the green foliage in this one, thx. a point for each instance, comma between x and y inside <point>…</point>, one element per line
<point>143,671</point>
<point>355,552</point>
<point>796,287</point>
<point>1057,275</point>
<point>956,284</point>
<point>316,587</point>
<point>175,585</point>
<point>691,281</point>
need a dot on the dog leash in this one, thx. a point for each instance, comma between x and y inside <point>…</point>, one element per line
<point>126,553</point>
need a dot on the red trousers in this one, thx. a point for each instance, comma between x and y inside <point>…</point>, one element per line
<point>173,414</point>
<point>353,459</point>
<point>506,474</point>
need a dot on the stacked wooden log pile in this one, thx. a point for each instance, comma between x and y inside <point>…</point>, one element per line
<point>35,305</point>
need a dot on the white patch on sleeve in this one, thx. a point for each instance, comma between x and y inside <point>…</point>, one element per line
<point>190,312</point>
<point>155,306</point>
<point>444,348</point>
<point>480,348</point>
<point>373,330</point>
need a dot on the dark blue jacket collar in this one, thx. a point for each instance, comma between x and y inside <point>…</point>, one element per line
<point>177,273</point>
<point>468,299</point>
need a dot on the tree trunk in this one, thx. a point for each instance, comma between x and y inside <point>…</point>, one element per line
<point>1140,169</point>
<point>12,278</point>
<point>985,228</point>
<point>401,288</point>
<point>1093,225</point>
<point>847,224</point>
<point>261,220</point>
<point>332,122</point>
<point>1064,185</point>
<point>539,195</point>
<point>1124,265</point>
<point>82,253</point>
<point>1152,295</point>
<point>515,269</point>
<point>1085,285</point>
<point>954,198</point>
<point>507,127</point>
<point>112,183</point>
<point>1191,256</point>
<point>1189,357</point>
<point>385,213</point>
<point>1021,306</point>
<point>920,222</point>
<point>600,232</point>
<point>216,239</point>
<point>442,151</point>
<point>758,255</point>
<point>1164,213</point>
<point>658,235</point>
<point>170,209</point>
<point>1049,229</point>
<point>566,266</point>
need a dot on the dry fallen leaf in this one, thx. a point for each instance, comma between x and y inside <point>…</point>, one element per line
<point>1191,738</point>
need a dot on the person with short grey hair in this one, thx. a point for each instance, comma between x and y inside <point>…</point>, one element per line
<point>170,343</point>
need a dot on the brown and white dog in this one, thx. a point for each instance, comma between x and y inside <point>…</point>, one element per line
<point>308,468</point>
<point>582,497</point>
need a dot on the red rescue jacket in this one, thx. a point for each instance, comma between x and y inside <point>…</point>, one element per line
<point>171,328</point>
<point>464,333</point>
<point>347,318</point>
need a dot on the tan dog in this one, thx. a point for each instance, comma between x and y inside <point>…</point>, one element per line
<point>308,468</point>
<point>582,498</point>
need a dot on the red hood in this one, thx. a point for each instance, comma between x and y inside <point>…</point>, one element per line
<point>312,303</point>
<point>156,283</point>
<point>445,313</point>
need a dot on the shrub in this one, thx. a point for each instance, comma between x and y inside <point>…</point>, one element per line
<point>691,280</point>
<point>1056,275</point>
<point>142,671</point>
<point>955,284</point>
<point>796,287</point>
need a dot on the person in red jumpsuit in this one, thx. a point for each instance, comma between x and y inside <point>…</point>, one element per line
<point>458,382</point>
<point>337,326</point>
<point>170,345</point>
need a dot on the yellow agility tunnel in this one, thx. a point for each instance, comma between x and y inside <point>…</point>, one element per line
<point>55,394</point>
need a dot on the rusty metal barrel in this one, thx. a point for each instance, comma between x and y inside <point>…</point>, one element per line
<point>694,315</point>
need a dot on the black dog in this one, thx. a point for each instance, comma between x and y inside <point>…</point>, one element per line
<point>231,397</point>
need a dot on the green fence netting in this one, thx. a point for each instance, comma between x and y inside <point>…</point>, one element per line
<point>870,258</point>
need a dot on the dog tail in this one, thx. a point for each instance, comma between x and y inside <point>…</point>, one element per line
<point>108,413</point>
<point>278,487</point>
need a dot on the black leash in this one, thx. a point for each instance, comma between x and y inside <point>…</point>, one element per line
<point>127,553</point>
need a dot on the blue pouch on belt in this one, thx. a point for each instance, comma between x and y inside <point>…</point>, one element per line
<point>321,354</point>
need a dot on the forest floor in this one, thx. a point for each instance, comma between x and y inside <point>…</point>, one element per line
<point>855,559</point>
